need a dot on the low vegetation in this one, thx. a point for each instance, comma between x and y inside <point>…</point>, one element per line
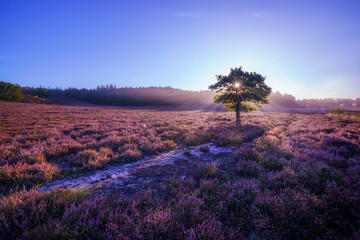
<point>292,176</point>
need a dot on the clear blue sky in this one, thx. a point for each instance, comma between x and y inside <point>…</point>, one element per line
<point>310,49</point>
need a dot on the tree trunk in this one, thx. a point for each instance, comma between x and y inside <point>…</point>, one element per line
<point>238,123</point>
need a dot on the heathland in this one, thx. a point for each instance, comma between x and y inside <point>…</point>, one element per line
<point>278,176</point>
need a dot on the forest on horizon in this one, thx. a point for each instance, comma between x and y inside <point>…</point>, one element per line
<point>167,96</point>
<point>110,95</point>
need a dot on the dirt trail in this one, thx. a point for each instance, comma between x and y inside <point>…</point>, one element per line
<point>147,173</point>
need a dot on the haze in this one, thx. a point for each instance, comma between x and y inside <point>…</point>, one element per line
<point>310,49</point>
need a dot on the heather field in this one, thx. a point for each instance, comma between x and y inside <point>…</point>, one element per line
<point>189,174</point>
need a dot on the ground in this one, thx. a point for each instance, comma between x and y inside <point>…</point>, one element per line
<point>161,174</point>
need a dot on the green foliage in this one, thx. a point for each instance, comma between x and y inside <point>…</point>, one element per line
<point>10,92</point>
<point>251,89</point>
<point>338,112</point>
<point>41,92</point>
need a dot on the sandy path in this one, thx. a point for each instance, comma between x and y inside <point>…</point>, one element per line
<point>147,173</point>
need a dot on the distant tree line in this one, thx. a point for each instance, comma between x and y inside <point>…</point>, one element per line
<point>36,92</point>
<point>160,96</point>
<point>14,93</point>
<point>167,96</point>
<point>288,101</point>
<point>142,96</point>
<point>330,103</point>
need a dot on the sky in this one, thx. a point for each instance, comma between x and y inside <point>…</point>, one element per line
<point>310,49</point>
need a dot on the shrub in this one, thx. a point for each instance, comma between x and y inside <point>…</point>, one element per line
<point>248,168</point>
<point>235,208</point>
<point>338,112</point>
<point>211,193</point>
<point>25,212</point>
<point>288,215</point>
<point>245,153</point>
<point>10,92</point>
<point>207,171</point>
<point>208,229</point>
<point>276,181</point>
<point>270,162</point>
<point>91,159</point>
<point>341,147</point>
<point>315,176</point>
<point>192,140</point>
<point>342,211</point>
<point>168,145</point>
<point>24,174</point>
<point>33,155</point>
<point>205,148</point>
<point>130,155</point>
<point>188,211</point>
<point>236,136</point>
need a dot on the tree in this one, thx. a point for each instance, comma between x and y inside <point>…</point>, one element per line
<point>283,100</point>
<point>41,92</point>
<point>10,92</point>
<point>357,103</point>
<point>240,88</point>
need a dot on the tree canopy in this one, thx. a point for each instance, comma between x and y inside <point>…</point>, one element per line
<point>240,88</point>
<point>10,92</point>
<point>41,92</point>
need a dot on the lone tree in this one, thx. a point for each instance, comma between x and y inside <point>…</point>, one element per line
<point>240,88</point>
